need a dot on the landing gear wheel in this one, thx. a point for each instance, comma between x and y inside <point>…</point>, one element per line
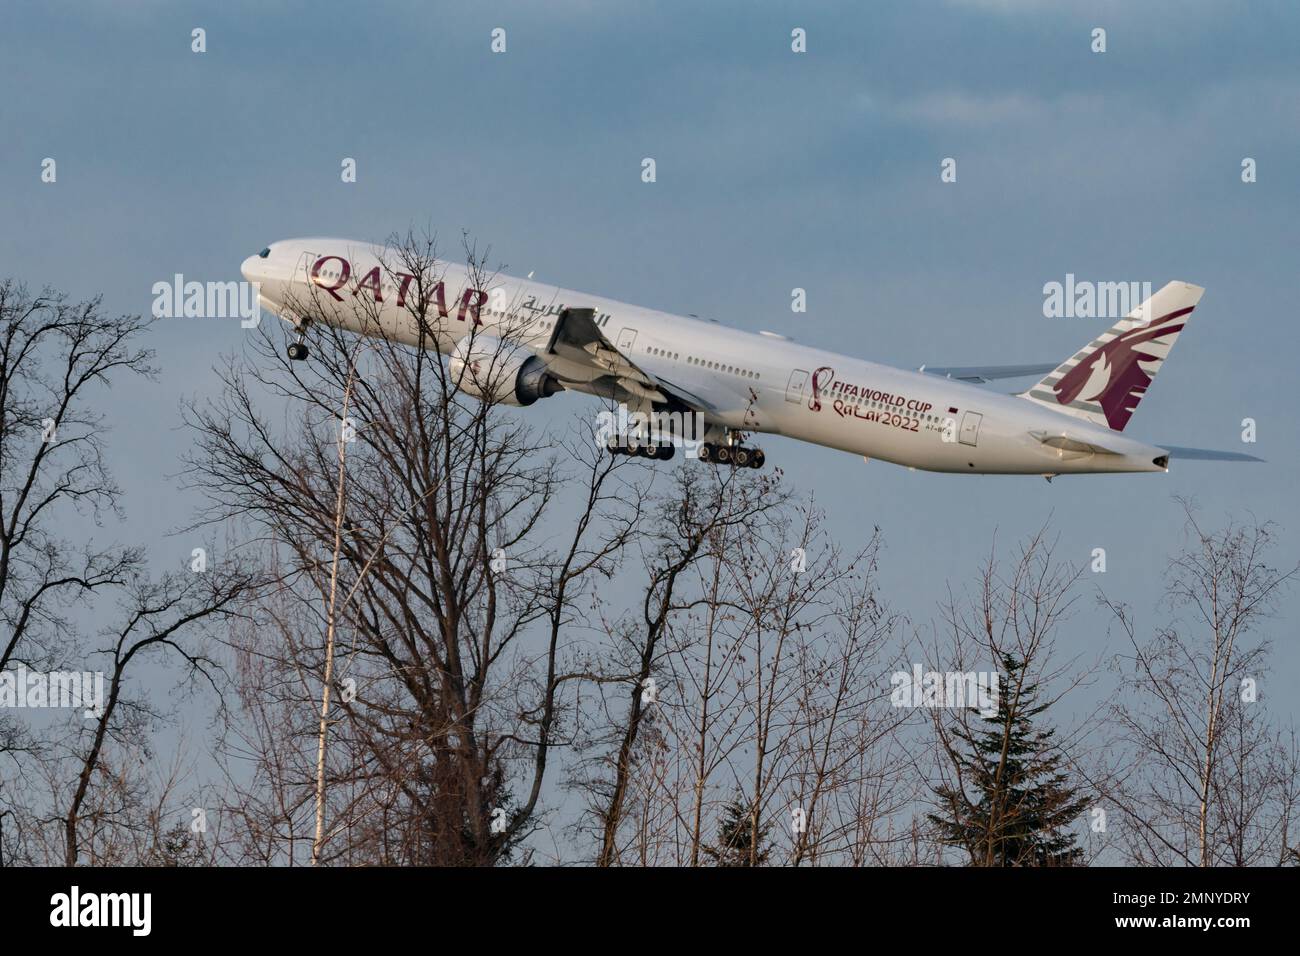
<point>741,457</point>
<point>706,452</point>
<point>756,460</point>
<point>723,455</point>
<point>632,447</point>
<point>297,351</point>
<point>664,453</point>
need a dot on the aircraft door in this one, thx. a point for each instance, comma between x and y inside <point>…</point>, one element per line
<point>798,382</point>
<point>302,271</point>
<point>970,428</point>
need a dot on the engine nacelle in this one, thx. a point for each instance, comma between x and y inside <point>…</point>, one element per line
<point>486,367</point>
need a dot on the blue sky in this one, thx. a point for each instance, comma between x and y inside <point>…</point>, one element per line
<point>775,171</point>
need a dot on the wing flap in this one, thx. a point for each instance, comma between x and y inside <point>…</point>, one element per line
<point>579,339</point>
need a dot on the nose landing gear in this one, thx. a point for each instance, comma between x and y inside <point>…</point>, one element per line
<point>297,350</point>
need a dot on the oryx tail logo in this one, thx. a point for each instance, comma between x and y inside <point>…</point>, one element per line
<point>821,381</point>
<point>1118,372</point>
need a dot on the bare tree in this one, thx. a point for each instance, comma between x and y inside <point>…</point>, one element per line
<point>453,603</point>
<point>1207,781</point>
<point>55,358</point>
<point>156,617</point>
<point>1003,791</point>
<point>692,518</point>
<point>756,700</point>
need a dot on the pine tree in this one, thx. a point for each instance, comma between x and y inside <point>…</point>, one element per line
<point>1013,810</point>
<point>736,841</point>
<point>177,847</point>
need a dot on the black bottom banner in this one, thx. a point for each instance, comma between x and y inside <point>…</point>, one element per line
<point>291,906</point>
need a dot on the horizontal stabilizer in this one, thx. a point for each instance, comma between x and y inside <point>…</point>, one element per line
<point>1207,454</point>
<point>986,373</point>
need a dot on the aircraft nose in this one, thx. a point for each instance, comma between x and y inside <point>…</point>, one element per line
<point>251,269</point>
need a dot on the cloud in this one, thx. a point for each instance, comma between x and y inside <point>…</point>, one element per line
<point>965,109</point>
<point>956,108</point>
<point>1001,6</point>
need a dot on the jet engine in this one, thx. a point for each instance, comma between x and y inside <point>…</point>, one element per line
<point>488,368</point>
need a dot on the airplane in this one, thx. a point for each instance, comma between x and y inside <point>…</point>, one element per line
<point>521,340</point>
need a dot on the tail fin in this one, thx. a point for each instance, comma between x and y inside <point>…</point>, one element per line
<point>1104,381</point>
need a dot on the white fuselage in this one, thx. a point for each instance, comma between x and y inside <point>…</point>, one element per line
<point>751,382</point>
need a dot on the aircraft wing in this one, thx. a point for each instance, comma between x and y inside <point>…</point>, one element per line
<point>577,338</point>
<point>987,373</point>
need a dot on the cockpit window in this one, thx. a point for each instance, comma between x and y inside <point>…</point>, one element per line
<point>264,253</point>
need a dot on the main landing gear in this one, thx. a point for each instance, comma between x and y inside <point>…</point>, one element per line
<point>642,449</point>
<point>728,450</point>
<point>737,456</point>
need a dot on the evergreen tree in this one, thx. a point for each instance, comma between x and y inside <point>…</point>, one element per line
<point>736,840</point>
<point>177,847</point>
<point>1015,803</point>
